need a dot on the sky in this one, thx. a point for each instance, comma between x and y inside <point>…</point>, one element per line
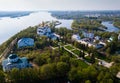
<point>35,5</point>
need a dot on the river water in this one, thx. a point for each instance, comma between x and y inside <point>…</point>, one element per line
<point>110,26</point>
<point>10,26</point>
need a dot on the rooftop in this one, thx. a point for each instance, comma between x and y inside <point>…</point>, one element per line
<point>12,56</point>
<point>118,75</point>
<point>20,60</point>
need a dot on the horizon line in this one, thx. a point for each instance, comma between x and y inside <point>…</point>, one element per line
<point>53,10</point>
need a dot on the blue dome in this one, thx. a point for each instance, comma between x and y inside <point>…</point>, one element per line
<point>12,56</point>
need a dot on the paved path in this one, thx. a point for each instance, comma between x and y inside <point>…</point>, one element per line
<point>101,62</point>
<point>53,47</point>
<point>70,51</point>
<point>77,56</point>
<point>7,50</point>
<point>118,75</point>
<point>104,63</point>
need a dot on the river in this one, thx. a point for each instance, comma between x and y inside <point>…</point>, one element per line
<point>110,26</point>
<point>10,26</point>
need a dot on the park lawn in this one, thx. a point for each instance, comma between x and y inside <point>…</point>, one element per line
<point>69,47</point>
<point>82,64</point>
<point>88,59</point>
<point>77,52</point>
<point>103,57</point>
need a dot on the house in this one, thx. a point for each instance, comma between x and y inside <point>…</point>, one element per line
<point>24,42</point>
<point>88,35</point>
<point>98,46</point>
<point>54,36</point>
<point>97,37</point>
<point>44,31</point>
<point>75,37</point>
<point>13,61</point>
<point>103,43</point>
<point>118,75</point>
<point>110,39</point>
<point>86,41</point>
<point>119,37</point>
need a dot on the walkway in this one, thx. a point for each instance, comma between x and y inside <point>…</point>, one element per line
<point>8,50</point>
<point>101,62</point>
<point>104,63</point>
<point>76,54</point>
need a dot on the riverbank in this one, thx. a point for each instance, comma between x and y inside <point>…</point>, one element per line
<point>110,26</point>
<point>10,26</point>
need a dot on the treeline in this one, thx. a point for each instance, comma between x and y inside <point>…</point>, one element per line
<point>67,14</point>
<point>105,15</point>
<point>87,24</point>
<point>117,23</point>
<point>111,47</point>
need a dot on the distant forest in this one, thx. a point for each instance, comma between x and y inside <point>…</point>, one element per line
<point>81,14</point>
<point>14,14</point>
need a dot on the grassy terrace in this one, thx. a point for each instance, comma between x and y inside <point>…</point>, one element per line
<point>76,52</point>
<point>82,64</point>
<point>88,59</point>
<point>69,47</point>
<point>103,57</point>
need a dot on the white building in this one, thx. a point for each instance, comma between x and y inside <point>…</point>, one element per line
<point>110,39</point>
<point>13,61</point>
<point>118,75</point>
<point>54,36</point>
<point>76,37</point>
<point>97,37</point>
<point>119,36</point>
<point>44,31</point>
<point>88,35</point>
<point>86,41</point>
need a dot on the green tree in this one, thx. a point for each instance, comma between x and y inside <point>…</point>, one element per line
<point>100,76</point>
<point>2,77</point>
<point>108,51</point>
<point>73,62</point>
<point>14,75</point>
<point>92,58</point>
<point>62,68</point>
<point>72,75</point>
<point>87,81</point>
<point>65,59</point>
<point>48,71</point>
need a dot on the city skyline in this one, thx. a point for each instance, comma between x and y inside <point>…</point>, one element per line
<point>35,5</point>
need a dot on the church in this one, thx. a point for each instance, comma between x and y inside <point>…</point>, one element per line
<point>13,61</point>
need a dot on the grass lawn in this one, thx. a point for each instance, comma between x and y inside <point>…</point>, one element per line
<point>69,47</point>
<point>76,52</point>
<point>103,58</point>
<point>88,59</point>
<point>82,64</point>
